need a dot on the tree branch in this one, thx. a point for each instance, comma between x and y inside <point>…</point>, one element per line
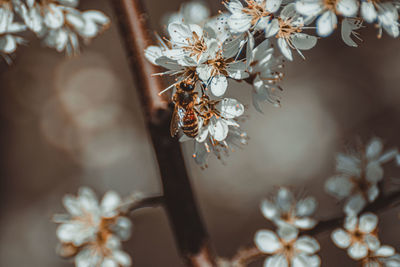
<point>189,231</point>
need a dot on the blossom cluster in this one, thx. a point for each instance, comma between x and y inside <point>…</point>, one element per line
<point>204,53</point>
<point>57,22</point>
<point>287,247</point>
<point>359,177</point>
<point>92,232</point>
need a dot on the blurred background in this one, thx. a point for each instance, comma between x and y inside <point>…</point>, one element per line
<point>72,122</point>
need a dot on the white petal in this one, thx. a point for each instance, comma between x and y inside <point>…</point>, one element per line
<point>8,44</point>
<point>305,223</point>
<point>152,53</point>
<point>368,222</point>
<point>54,17</point>
<point>326,23</point>
<point>368,11</point>
<point>278,260</point>
<point>237,70</point>
<point>348,164</point>
<point>109,263</point>
<point>306,207</point>
<point>351,223</point>
<point>385,251</point>
<point>110,204</point>
<point>287,232</point>
<point>372,242</point>
<point>285,49</point>
<point>218,85</point>
<point>374,149</point>
<point>231,108</point>
<point>374,172</point>
<point>219,130</point>
<point>273,5</point>
<point>347,32</point>
<point>271,28</point>
<point>308,7</point>
<point>180,33</point>
<point>284,199</point>
<point>303,41</point>
<point>341,238</point>
<point>347,8</point>
<point>267,241</point>
<point>355,204</point>
<point>122,258</point>
<point>339,186</point>
<point>307,245</point>
<point>372,193</point>
<point>268,209</point>
<point>303,260</point>
<point>72,205</point>
<point>357,251</point>
<point>239,22</point>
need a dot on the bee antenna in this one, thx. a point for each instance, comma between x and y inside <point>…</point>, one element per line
<point>166,89</point>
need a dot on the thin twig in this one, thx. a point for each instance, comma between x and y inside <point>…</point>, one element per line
<point>179,201</point>
<point>250,254</point>
<point>147,202</point>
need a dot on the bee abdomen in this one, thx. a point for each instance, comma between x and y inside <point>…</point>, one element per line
<point>190,126</point>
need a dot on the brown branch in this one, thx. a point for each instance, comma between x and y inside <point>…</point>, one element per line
<point>190,234</point>
<point>250,254</point>
<point>246,256</point>
<point>146,202</point>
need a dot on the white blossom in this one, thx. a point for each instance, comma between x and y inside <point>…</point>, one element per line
<point>192,12</point>
<point>264,71</point>
<point>8,27</point>
<point>358,176</point>
<point>93,231</point>
<point>359,236</point>
<point>218,121</point>
<point>288,29</point>
<point>61,25</point>
<point>287,248</point>
<point>326,12</point>
<point>285,210</point>
<point>255,14</point>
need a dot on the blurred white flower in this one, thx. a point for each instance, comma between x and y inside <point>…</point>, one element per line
<point>327,21</point>
<point>192,12</point>
<point>388,19</point>
<point>359,236</point>
<point>61,25</point>
<point>287,249</point>
<point>287,28</point>
<point>358,176</point>
<point>93,231</point>
<point>285,210</point>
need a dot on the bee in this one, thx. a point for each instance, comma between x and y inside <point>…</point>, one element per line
<point>185,115</point>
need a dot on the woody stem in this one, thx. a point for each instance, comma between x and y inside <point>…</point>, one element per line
<point>179,201</point>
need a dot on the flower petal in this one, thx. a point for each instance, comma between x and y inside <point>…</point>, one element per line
<point>357,251</point>
<point>218,85</point>
<point>267,241</point>
<point>341,238</point>
<point>307,244</point>
<point>326,23</point>
<point>368,222</point>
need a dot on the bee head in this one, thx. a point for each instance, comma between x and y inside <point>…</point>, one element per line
<point>185,86</point>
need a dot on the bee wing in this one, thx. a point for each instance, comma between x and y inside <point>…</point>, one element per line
<point>175,121</point>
